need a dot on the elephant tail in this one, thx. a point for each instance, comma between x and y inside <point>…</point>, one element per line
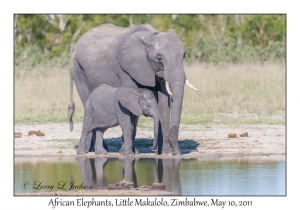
<point>71,108</point>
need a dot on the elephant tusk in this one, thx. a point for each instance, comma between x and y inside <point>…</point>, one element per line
<point>191,86</point>
<point>168,88</point>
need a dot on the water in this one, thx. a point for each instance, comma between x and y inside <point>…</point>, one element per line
<point>230,176</point>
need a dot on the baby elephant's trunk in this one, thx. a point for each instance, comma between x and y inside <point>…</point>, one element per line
<point>156,126</point>
<point>71,110</point>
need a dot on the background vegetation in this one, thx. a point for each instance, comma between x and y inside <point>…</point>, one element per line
<point>207,38</point>
<point>237,62</point>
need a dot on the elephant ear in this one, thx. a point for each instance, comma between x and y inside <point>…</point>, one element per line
<point>132,57</point>
<point>130,99</point>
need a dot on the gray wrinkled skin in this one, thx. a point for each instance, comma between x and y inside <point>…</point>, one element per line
<point>107,107</point>
<point>138,57</point>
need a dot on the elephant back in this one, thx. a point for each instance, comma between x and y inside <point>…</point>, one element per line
<point>96,52</point>
<point>108,37</point>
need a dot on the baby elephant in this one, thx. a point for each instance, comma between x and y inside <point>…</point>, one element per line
<point>107,107</point>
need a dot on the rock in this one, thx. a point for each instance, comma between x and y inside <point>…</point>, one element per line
<point>38,133</point>
<point>125,184</point>
<point>30,133</point>
<point>232,135</point>
<point>18,134</point>
<point>154,186</point>
<point>122,185</point>
<point>159,185</point>
<point>244,134</point>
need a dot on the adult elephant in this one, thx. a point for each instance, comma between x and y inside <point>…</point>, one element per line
<point>137,56</point>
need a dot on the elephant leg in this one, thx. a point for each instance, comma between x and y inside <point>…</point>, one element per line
<point>128,143</point>
<point>92,143</point>
<point>99,149</point>
<point>82,146</point>
<point>163,105</point>
<point>84,87</point>
<point>127,136</point>
<point>122,150</point>
<point>134,121</point>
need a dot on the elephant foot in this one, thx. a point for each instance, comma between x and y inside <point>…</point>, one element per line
<point>100,151</point>
<point>122,150</point>
<point>129,154</point>
<point>176,150</point>
<point>126,152</point>
<point>82,150</point>
<point>166,149</point>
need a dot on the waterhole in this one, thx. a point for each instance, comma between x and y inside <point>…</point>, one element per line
<point>225,176</point>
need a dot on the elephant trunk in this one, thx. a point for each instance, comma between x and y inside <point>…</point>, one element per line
<point>176,107</point>
<point>156,128</point>
<point>177,89</point>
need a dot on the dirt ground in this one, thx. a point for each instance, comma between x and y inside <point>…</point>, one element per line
<point>196,141</point>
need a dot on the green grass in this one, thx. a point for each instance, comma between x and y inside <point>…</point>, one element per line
<point>42,95</point>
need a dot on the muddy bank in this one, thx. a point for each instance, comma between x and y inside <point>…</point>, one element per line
<point>196,141</point>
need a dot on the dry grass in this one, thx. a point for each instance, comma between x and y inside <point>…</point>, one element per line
<point>239,90</point>
<point>42,95</point>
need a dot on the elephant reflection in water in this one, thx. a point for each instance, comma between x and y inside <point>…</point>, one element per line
<point>165,171</point>
<point>92,171</point>
<point>129,174</point>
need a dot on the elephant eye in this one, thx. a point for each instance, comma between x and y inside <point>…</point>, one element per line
<point>159,58</point>
<point>148,105</point>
